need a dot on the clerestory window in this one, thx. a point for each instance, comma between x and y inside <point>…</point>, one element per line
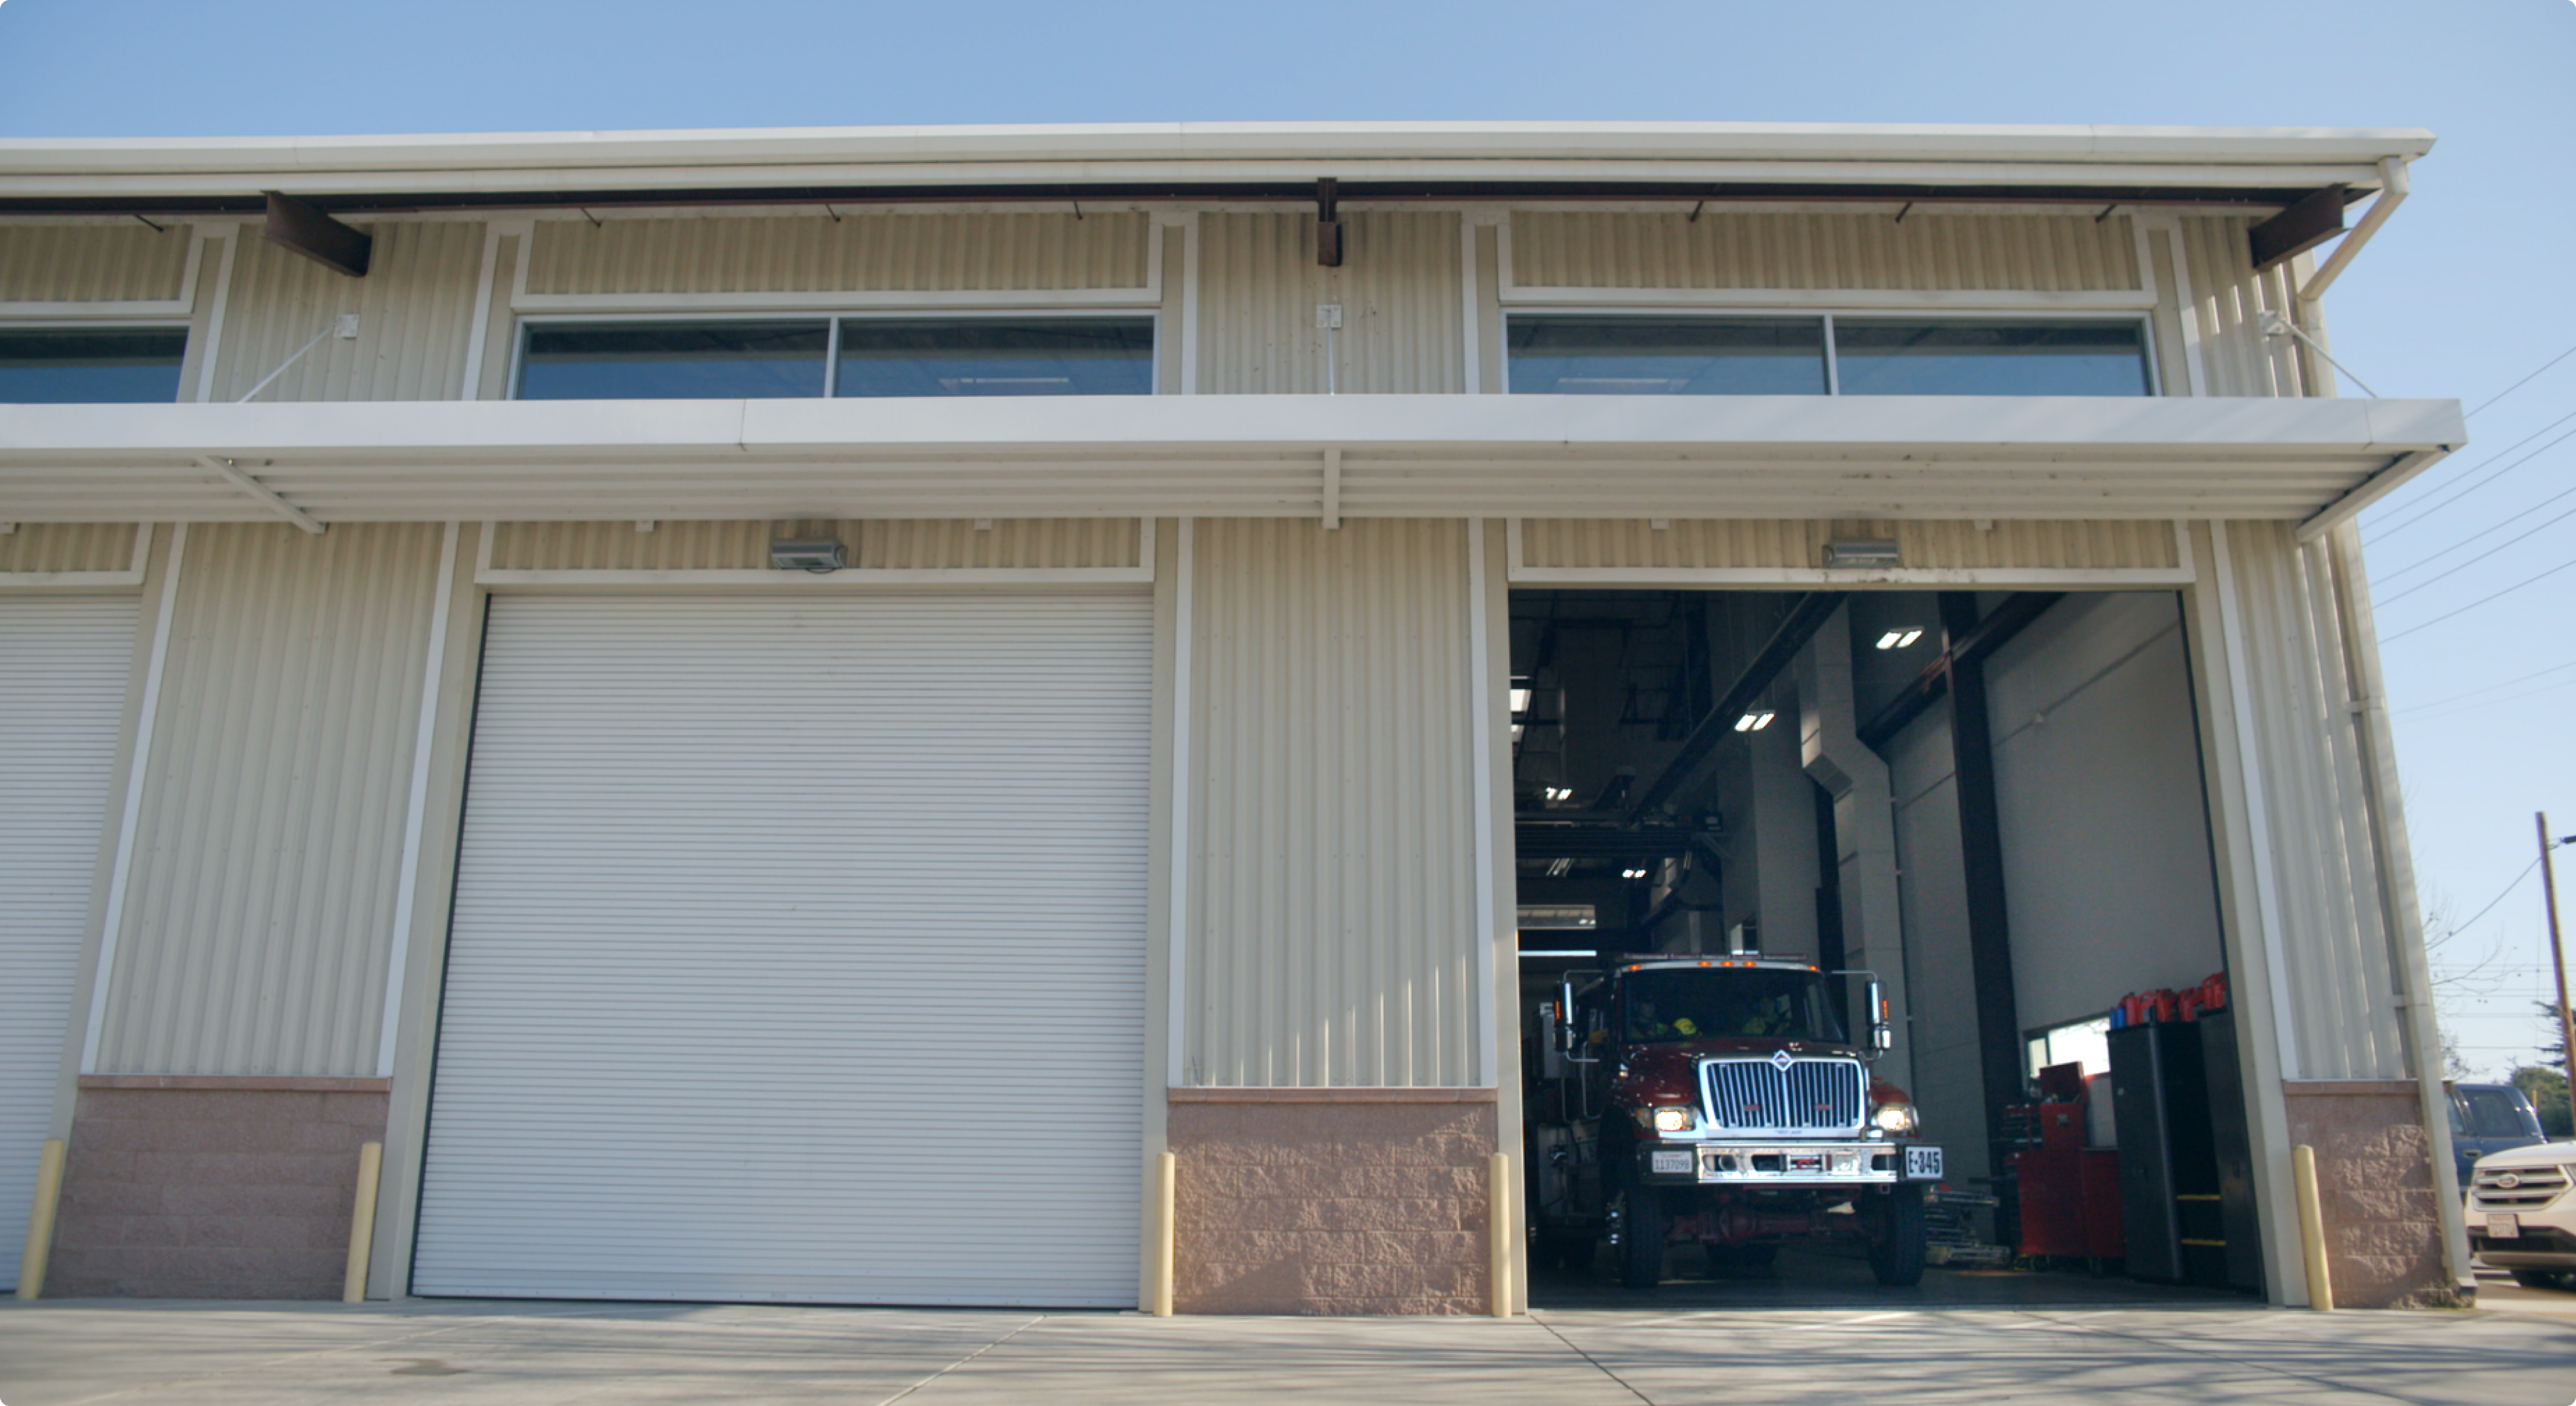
<point>90,365</point>
<point>1613,354</point>
<point>766,358</point>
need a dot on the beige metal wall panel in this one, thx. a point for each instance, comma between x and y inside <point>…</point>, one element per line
<point>1398,286</point>
<point>872,251</point>
<point>2229,299</point>
<point>1332,869</point>
<point>415,311</point>
<point>1717,543</point>
<point>68,546</point>
<point>2339,984</point>
<point>260,908</point>
<point>131,263</point>
<point>1747,249</point>
<point>744,546</point>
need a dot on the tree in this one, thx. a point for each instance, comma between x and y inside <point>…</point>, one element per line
<point>2547,1090</point>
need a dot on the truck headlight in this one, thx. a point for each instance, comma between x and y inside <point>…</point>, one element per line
<point>1897,1118</point>
<point>1675,1120</point>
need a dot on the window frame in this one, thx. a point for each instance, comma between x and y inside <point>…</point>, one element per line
<point>832,319</point>
<point>185,327</point>
<point>2144,321</point>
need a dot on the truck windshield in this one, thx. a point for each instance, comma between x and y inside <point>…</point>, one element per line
<point>2494,1111</point>
<point>1703,1003</point>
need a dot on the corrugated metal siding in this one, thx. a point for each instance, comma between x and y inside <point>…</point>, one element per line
<point>2229,298</point>
<point>1723,249</point>
<point>740,546</point>
<point>129,263</point>
<point>415,308</point>
<point>1702,542</point>
<point>1332,879</point>
<point>1398,287</point>
<point>261,906</point>
<point>68,546</point>
<point>881,251</point>
<point>2341,987</point>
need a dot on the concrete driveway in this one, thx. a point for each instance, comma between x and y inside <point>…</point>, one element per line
<point>515,1354</point>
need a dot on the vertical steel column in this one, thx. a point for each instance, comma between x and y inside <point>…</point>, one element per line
<point>1981,858</point>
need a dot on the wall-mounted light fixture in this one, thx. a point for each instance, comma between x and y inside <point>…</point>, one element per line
<point>815,554</point>
<point>1864,552</point>
<point>1754,721</point>
<point>1899,639</point>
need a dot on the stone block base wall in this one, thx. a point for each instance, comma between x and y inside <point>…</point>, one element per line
<point>2375,1188</point>
<point>1317,1202</point>
<point>199,1187</point>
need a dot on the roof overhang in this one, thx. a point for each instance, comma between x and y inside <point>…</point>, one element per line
<point>1207,161</point>
<point>1221,455</point>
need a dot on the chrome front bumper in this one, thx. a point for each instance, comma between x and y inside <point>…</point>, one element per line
<point>1760,1164</point>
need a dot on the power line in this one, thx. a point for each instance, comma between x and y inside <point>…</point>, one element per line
<point>2490,688</point>
<point>2393,528</point>
<point>2527,380</point>
<point>2458,928</point>
<point>2533,692</point>
<point>2499,527</point>
<point>2500,546</point>
<point>2516,586</point>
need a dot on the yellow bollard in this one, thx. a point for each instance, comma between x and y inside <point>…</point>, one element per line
<point>1500,1203</point>
<point>40,1220</point>
<point>2312,1228</point>
<point>1166,1187</point>
<point>362,1221</point>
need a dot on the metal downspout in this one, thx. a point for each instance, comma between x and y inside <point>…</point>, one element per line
<point>2393,190</point>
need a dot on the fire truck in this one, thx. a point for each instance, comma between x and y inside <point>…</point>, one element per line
<point>1717,1100</point>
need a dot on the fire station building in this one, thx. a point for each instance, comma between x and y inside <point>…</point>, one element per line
<point>781,715</point>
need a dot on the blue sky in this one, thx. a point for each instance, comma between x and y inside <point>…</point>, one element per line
<point>2466,292</point>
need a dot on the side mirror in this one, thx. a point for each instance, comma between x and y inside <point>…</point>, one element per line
<point>1882,1036</point>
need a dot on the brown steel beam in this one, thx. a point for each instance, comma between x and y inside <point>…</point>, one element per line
<point>1795,629</point>
<point>2298,229</point>
<point>1328,223</point>
<point>1981,864</point>
<point>300,228</point>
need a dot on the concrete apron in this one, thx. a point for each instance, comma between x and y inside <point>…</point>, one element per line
<point>57,1353</point>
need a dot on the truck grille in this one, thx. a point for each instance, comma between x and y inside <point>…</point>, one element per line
<point>1800,1096</point>
<point>2532,1187</point>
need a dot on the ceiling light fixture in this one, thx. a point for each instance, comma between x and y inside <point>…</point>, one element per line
<point>1520,699</point>
<point>1899,639</point>
<point>1754,721</point>
<point>1632,873</point>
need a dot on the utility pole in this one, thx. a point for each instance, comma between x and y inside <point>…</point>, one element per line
<point>2557,954</point>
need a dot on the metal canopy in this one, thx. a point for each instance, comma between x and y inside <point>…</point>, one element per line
<point>1242,456</point>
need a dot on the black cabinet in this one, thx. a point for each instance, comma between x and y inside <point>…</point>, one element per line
<point>2186,1162</point>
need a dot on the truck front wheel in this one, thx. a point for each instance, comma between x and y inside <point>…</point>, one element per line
<point>1896,1252</point>
<point>1641,1238</point>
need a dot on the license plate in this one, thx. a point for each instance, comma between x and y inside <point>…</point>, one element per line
<point>1922,1164</point>
<point>2504,1227</point>
<point>1670,1162</point>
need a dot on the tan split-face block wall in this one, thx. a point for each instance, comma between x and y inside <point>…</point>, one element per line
<point>178,1187</point>
<point>1331,1206</point>
<point>2375,1188</point>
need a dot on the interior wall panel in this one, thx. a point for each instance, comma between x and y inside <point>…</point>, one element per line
<point>1753,542</point>
<point>1398,287</point>
<point>260,907</point>
<point>1332,837</point>
<point>415,311</point>
<point>859,251</point>
<point>1759,249</point>
<point>877,543</point>
<point>92,263</point>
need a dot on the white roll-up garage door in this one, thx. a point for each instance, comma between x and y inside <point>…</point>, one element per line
<point>63,666</point>
<point>798,954</point>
